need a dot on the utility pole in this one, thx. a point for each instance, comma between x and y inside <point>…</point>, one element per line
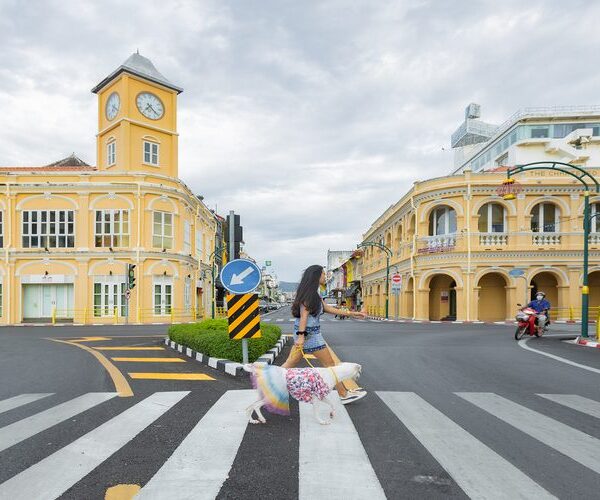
<point>232,228</point>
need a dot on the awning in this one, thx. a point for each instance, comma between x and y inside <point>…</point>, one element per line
<point>352,290</point>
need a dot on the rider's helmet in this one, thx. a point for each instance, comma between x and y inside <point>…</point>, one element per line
<point>540,293</point>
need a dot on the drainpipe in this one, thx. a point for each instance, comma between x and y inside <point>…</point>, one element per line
<point>468,215</point>
<point>137,252</point>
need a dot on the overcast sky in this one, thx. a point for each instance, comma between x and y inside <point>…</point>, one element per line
<point>307,118</point>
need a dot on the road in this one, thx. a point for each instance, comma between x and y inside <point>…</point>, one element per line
<point>453,410</point>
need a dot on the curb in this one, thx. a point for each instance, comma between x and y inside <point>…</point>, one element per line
<point>587,343</point>
<point>232,368</point>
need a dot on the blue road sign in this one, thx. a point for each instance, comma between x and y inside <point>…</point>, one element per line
<point>515,273</point>
<point>240,276</point>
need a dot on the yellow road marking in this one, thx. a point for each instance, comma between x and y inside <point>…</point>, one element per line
<point>151,360</point>
<point>129,348</point>
<point>348,384</point>
<point>121,384</point>
<point>89,339</point>
<point>171,376</point>
<point>122,492</point>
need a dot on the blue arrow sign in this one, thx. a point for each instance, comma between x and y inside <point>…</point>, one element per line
<point>240,276</point>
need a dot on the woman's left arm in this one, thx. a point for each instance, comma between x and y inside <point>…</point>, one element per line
<point>342,312</point>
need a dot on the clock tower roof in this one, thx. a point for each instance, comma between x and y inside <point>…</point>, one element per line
<point>139,66</point>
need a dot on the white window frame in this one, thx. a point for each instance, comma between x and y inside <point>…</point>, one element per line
<point>447,210</point>
<point>161,239</point>
<point>187,237</point>
<point>151,153</point>
<point>1,229</point>
<point>111,153</point>
<point>489,218</point>
<point>541,228</point>
<point>594,223</point>
<point>164,285</point>
<point>111,294</point>
<point>42,230</point>
<point>187,294</point>
<point>116,238</point>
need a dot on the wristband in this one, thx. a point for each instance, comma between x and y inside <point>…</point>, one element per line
<point>301,333</point>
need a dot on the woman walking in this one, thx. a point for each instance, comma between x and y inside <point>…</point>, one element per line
<point>307,308</point>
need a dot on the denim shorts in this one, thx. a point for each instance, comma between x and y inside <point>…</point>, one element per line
<point>313,340</point>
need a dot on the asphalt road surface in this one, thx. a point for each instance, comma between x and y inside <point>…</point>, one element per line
<point>453,410</point>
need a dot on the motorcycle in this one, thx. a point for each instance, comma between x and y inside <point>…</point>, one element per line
<point>527,320</point>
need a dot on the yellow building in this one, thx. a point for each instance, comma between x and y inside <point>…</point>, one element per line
<point>455,241</point>
<point>69,230</point>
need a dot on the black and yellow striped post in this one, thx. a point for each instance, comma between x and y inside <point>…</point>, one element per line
<point>243,316</point>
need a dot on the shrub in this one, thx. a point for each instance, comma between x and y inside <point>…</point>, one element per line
<point>211,337</point>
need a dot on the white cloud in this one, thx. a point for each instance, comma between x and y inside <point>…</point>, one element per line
<point>309,119</point>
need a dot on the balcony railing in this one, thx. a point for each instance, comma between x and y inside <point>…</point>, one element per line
<point>493,239</point>
<point>546,239</point>
<point>438,243</point>
<point>594,239</point>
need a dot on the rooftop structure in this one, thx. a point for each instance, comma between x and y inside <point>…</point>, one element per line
<point>560,133</point>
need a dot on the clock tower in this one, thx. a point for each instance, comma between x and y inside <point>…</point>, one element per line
<point>137,120</point>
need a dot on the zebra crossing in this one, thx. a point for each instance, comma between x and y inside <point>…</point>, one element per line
<point>201,463</point>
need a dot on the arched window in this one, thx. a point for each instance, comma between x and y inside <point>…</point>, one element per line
<point>595,223</point>
<point>398,236</point>
<point>545,218</point>
<point>442,220</point>
<point>492,218</point>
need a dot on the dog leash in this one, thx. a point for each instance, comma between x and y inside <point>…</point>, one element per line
<point>335,377</point>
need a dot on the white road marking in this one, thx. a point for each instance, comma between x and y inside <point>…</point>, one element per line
<point>523,344</point>
<point>333,463</point>
<point>21,400</point>
<point>579,403</point>
<point>279,320</point>
<point>478,470</point>
<point>30,426</point>
<point>55,474</point>
<point>266,320</point>
<point>201,463</point>
<point>575,444</point>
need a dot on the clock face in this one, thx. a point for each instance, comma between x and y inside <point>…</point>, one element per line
<point>112,105</point>
<point>150,105</point>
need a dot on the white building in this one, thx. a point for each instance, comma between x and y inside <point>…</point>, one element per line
<point>568,134</point>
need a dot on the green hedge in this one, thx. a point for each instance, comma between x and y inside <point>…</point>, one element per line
<point>210,337</point>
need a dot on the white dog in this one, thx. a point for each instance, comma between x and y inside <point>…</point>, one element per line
<point>275,384</point>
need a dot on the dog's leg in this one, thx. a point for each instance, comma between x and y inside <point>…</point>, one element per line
<point>259,413</point>
<point>315,402</point>
<point>255,407</point>
<point>327,401</point>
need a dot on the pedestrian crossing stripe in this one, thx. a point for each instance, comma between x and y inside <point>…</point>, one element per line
<point>202,462</point>
<point>242,313</point>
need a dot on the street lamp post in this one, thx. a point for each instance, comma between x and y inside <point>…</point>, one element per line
<point>214,285</point>
<point>586,179</point>
<point>388,253</point>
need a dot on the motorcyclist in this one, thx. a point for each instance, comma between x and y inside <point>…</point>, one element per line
<point>542,307</point>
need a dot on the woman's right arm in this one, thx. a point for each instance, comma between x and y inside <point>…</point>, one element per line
<point>303,322</point>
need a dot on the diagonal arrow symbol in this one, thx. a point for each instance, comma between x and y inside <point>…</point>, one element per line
<point>238,279</point>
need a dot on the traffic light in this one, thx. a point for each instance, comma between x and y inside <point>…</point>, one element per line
<point>131,276</point>
<point>238,233</point>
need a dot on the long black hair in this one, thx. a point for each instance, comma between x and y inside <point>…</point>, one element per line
<point>308,291</point>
